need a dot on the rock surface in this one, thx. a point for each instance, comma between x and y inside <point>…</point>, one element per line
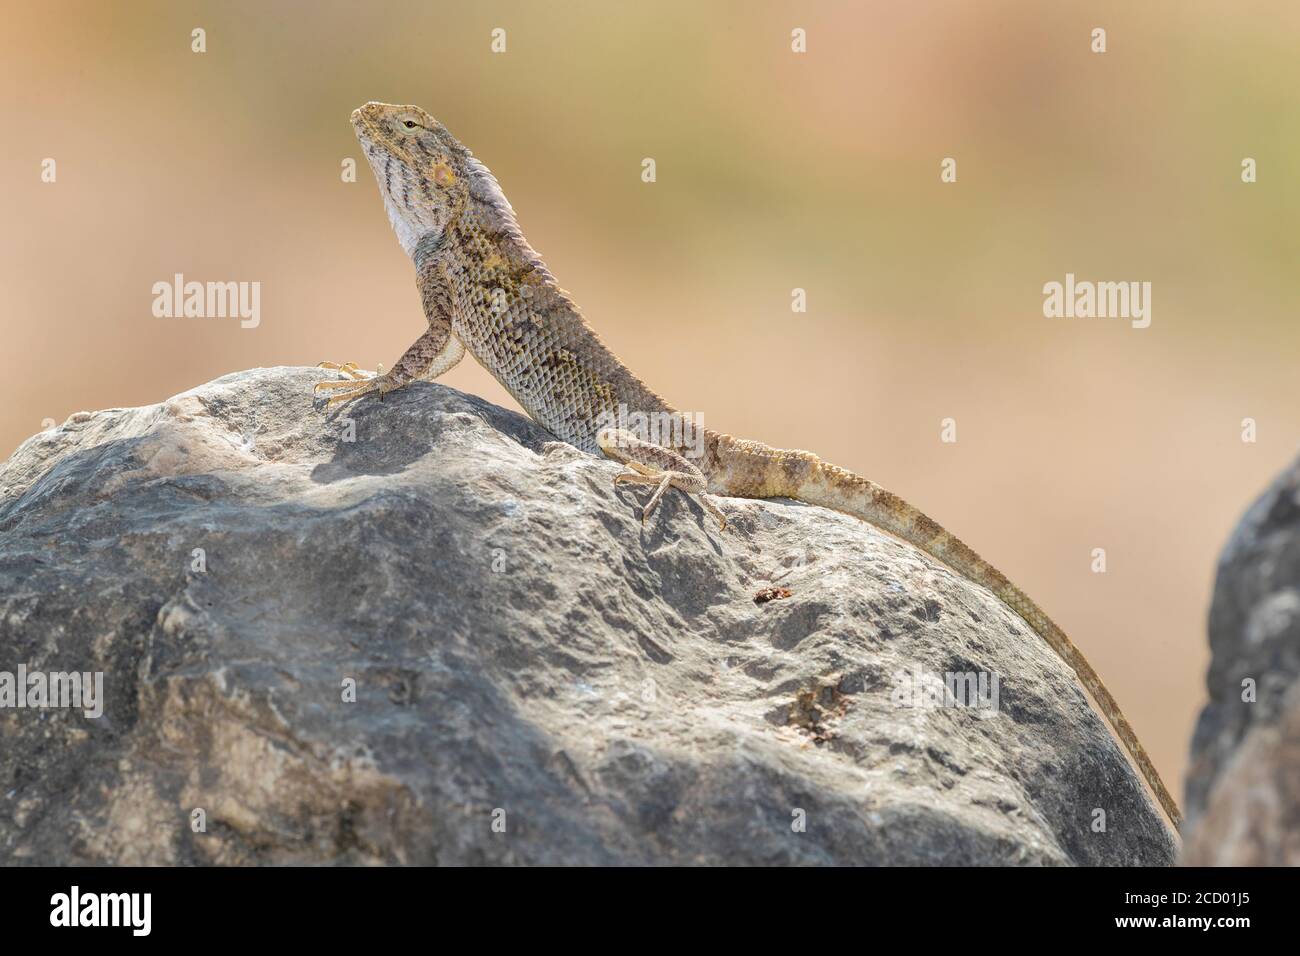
<point>1243,788</point>
<point>527,656</point>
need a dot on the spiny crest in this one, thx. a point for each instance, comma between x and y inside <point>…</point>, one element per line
<point>483,187</point>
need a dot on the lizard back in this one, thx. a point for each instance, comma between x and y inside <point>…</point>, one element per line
<point>513,317</point>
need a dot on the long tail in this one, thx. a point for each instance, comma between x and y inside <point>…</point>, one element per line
<point>753,470</point>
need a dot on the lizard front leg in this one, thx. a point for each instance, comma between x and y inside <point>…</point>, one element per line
<point>433,353</point>
<point>653,464</point>
<point>429,356</point>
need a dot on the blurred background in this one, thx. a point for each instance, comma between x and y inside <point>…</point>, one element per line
<point>774,171</point>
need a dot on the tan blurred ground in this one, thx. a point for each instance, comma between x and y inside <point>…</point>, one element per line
<point>774,171</point>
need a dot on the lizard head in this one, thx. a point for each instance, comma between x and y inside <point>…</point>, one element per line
<point>421,169</point>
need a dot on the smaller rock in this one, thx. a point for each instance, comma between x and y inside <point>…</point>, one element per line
<point>1243,788</point>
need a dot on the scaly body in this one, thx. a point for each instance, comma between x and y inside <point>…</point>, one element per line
<point>485,290</point>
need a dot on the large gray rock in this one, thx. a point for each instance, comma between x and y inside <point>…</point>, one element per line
<point>1243,788</point>
<point>525,652</point>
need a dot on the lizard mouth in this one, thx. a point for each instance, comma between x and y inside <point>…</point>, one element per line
<point>371,135</point>
<point>363,125</point>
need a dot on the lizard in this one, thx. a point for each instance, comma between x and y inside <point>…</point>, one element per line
<point>485,290</point>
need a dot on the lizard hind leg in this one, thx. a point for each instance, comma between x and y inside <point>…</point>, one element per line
<point>656,465</point>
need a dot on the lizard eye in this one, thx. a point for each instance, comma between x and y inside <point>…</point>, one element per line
<point>410,124</point>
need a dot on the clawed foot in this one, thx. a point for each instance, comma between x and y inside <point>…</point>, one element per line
<point>356,384</point>
<point>667,470</point>
<point>685,483</point>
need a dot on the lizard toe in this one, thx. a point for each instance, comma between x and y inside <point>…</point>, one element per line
<point>350,369</point>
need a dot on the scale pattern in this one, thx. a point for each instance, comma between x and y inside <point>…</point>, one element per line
<point>526,331</point>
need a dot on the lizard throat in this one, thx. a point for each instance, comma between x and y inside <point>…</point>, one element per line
<point>408,235</point>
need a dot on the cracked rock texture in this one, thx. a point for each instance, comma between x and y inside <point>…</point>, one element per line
<point>1243,788</point>
<point>538,677</point>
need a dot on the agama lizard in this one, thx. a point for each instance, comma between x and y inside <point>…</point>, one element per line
<point>486,290</point>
